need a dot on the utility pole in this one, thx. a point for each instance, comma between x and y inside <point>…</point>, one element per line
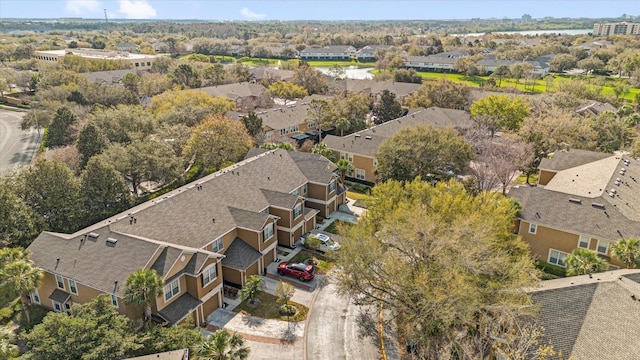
<point>106,20</point>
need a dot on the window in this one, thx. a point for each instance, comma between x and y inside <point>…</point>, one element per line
<point>311,124</point>
<point>342,156</point>
<point>360,174</point>
<point>171,289</point>
<point>583,242</point>
<point>267,233</point>
<point>350,155</point>
<point>60,282</point>
<point>295,192</point>
<point>114,300</point>
<point>304,188</point>
<point>35,296</point>
<point>72,286</point>
<point>557,257</point>
<point>148,63</point>
<point>57,307</point>
<point>332,186</point>
<point>297,211</point>
<point>217,245</point>
<point>375,162</point>
<point>137,64</point>
<point>533,228</point>
<point>209,274</point>
<point>603,247</point>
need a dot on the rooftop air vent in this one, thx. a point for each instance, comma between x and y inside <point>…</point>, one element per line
<point>612,194</point>
<point>368,137</point>
<point>617,182</point>
<point>112,241</point>
<point>94,235</point>
<point>613,191</point>
<point>622,172</point>
<point>598,206</point>
<point>357,135</point>
<point>575,201</point>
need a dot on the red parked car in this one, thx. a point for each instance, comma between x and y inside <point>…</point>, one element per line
<point>301,271</point>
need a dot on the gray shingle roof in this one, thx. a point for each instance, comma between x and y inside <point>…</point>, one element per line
<point>59,296</point>
<point>168,355</point>
<point>240,255</point>
<point>179,308</point>
<point>165,261</point>
<point>235,91</point>
<point>591,318</point>
<point>367,142</point>
<point>249,219</point>
<point>95,263</point>
<point>563,160</point>
<point>401,89</point>
<point>283,200</point>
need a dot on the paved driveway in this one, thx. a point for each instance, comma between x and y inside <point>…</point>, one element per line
<point>333,332</point>
<point>17,147</point>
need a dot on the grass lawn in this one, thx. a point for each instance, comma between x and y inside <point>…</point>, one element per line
<point>267,308</point>
<point>344,63</point>
<point>358,196</point>
<point>522,179</point>
<point>324,264</point>
<point>333,227</point>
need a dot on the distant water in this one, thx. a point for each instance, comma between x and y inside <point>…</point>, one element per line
<point>351,72</point>
<point>535,32</point>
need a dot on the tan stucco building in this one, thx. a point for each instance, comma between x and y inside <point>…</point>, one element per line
<point>225,226</point>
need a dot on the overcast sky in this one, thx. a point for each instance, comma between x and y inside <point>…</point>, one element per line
<point>315,10</point>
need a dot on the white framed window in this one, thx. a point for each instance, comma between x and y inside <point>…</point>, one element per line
<point>114,300</point>
<point>350,155</point>
<point>267,233</point>
<point>297,211</point>
<point>60,282</point>
<point>209,274</point>
<point>360,174</point>
<point>304,188</point>
<point>57,307</point>
<point>603,247</point>
<point>73,287</point>
<point>375,162</point>
<point>533,228</point>
<point>171,289</point>
<point>332,186</point>
<point>218,245</point>
<point>557,257</point>
<point>342,156</point>
<point>35,296</point>
<point>583,242</point>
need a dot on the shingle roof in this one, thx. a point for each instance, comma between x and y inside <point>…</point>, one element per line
<point>240,255</point>
<point>401,89</point>
<point>280,117</point>
<point>328,49</point>
<point>235,91</point>
<point>165,261</point>
<point>249,219</point>
<point>95,262</point>
<point>591,318</point>
<point>367,142</point>
<point>59,296</point>
<point>279,199</point>
<point>179,308</point>
<point>563,160</point>
<point>168,355</point>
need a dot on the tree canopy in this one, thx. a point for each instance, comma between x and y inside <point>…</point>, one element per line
<point>388,108</point>
<point>443,93</point>
<point>428,152</point>
<point>442,261</point>
<point>500,112</point>
<point>188,107</point>
<point>286,90</point>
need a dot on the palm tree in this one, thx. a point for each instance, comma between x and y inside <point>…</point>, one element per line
<point>627,250</point>
<point>322,149</point>
<point>584,261</point>
<point>141,288</point>
<point>251,288</point>
<point>222,345</point>
<point>343,124</point>
<point>344,167</point>
<point>19,275</point>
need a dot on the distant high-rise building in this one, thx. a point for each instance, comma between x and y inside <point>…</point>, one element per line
<point>620,28</point>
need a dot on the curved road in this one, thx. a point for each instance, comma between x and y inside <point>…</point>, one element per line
<point>17,146</point>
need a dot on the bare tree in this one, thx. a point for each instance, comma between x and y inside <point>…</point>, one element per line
<point>498,162</point>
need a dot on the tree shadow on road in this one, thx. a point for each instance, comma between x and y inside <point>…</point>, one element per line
<point>252,321</point>
<point>289,336</point>
<point>367,322</point>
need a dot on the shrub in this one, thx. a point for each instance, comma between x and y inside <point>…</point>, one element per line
<point>287,310</point>
<point>551,269</point>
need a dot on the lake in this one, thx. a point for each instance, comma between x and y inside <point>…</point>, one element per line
<point>351,72</point>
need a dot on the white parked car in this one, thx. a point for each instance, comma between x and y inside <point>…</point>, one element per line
<point>327,242</point>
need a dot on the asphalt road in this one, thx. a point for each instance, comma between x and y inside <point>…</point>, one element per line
<point>17,147</point>
<point>333,332</point>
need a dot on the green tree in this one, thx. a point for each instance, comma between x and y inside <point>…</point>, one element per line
<point>186,76</point>
<point>584,261</point>
<point>218,141</point>
<point>343,124</point>
<point>611,132</point>
<point>8,349</point>
<point>319,112</point>
<point>322,149</point>
<point>440,260</point>
<point>562,62</point>
<point>310,79</point>
<point>443,93</point>
<point>53,192</point>
<point>283,145</point>
<point>253,124</point>
<point>92,331</point>
<point>251,288</point>
<point>428,152</point>
<point>59,127</point>
<point>215,73</point>
<point>627,251</point>
<point>501,72</point>
<point>91,142</point>
<point>132,82</point>
<point>19,224</point>
<point>497,112</point>
<point>388,108</point>
<point>223,345</point>
<point>141,289</point>
<point>188,107</point>
<point>121,124</point>
<point>157,339</point>
<point>344,167</point>
<point>104,191</point>
<point>284,291</point>
<point>18,275</point>
<point>287,91</point>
